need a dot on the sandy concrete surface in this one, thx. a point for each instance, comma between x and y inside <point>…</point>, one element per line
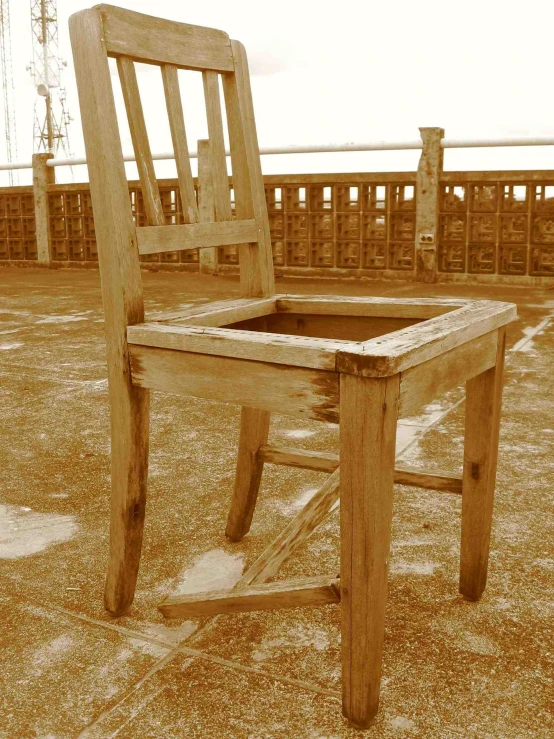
<point>451,668</point>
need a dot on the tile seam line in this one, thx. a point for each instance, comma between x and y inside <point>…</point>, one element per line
<point>181,648</point>
<point>156,667</point>
<point>526,339</point>
<point>121,630</point>
<point>80,384</point>
<point>173,651</point>
<point>128,720</point>
<point>541,326</point>
<point>25,599</point>
<point>68,385</point>
<point>428,428</point>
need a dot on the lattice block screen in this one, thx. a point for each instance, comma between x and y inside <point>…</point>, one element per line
<point>497,228</point>
<point>72,236</point>
<point>17,225</point>
<point>332,226</point>
<point>485,227</point>
<point>342,226</point>
<point>358,226</point>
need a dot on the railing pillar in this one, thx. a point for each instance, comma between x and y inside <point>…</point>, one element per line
<point>42,177</point>
<point>207,257</point>
<point>427,203</point>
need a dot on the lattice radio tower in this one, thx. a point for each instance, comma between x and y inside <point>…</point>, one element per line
<point>50,129</point>
<point>10,133</point>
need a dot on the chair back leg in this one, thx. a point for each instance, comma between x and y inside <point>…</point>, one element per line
<point>254,429</point>
<point>130,430</point>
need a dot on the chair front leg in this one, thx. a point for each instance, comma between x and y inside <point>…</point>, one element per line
<point>129,411</point>
<point>482,428</point>
<point>368,417</point>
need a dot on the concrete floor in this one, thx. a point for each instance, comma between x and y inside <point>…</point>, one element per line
<point>451,668</point>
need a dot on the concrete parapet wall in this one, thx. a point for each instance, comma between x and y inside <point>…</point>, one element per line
<point>429,226</point>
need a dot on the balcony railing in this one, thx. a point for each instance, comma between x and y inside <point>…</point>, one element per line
<point>430,224</point>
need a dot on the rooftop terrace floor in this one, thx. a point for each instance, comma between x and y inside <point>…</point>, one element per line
<point>451,668</point>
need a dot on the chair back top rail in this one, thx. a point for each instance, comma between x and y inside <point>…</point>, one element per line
<point>152,40</point>
<point>107,31</point>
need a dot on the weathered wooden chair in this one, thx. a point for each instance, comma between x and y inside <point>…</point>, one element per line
<point>362,362</point>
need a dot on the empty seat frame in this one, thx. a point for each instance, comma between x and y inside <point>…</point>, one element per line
<point>360,362</point>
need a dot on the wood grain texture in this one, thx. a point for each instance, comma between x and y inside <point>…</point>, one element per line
<point>293,391</point>
<point>254,428</point>
<point>314,591</point>
<point>294,534</point>
<point>367,450</point>
<point>218,313</point>
<point>438,480</point>
<point>123,305</point>
<point>300,351</point>
<point>208,257</point>
<point>483,409</point>
<point>307,460</point>
<point>155,239</point>
<point>398,352</point>
<point>148,39</point>
<point>427,381</point>
<point>446,482</point>
<point>220,179</point>
<point>348,305</point>
<point>141,145</point>
<point>179,138</point>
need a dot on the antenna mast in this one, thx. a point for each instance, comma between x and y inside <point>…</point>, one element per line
<point>46,69</point>
<point>8,88</point>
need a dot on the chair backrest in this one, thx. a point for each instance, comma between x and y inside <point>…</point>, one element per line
<point>130,37</point>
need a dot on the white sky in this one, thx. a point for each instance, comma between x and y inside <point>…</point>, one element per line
<point>346,71</point>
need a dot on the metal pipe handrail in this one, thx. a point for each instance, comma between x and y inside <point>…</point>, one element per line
<point>327,148</point>
<point>301,149</point>
<point>486,143</point>
<point>16,165</point>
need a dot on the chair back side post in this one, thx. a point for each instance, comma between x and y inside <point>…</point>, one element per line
<point>130,37</point>
<point>257,276</point>
<point>123,304</point>
<point>115,230</point>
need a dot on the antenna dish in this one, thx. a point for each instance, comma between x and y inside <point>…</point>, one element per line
<point>42,90</point>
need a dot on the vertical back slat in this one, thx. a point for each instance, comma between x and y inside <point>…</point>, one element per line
<point>207,258</point>
<point>179,137</point>
<point>256,261</point>
<point>139,135</point>
<point>222,197</point>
